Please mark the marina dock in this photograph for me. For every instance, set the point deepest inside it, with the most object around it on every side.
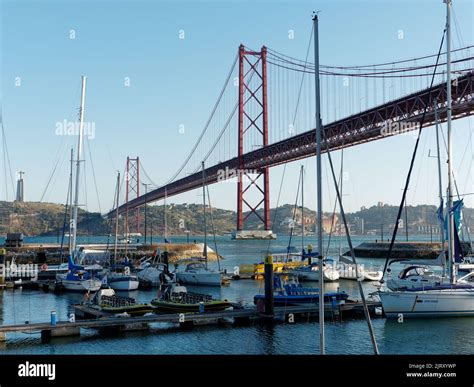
(93, 319)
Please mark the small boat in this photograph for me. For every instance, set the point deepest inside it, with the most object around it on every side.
(281, 262)
(176, 299)
(77, 279)
(311, 272)
(122, 281)
(197, 273)
(293, 293)
(154, 274)
(105, 300)
(119, 276)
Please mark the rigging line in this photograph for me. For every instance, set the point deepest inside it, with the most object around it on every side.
(284, 167)
(419, 171)
(294, 217)
(93, 172)
(458, 32)
(6, 156)
(66, 208)
(58, 161)
(407, 182)
(351, 247)
(372, 65)
(335, 203)
(207, 123)
(213, 228)
(455, 180)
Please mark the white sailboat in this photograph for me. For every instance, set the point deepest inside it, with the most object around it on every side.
(455, 298)
(197, 272)
(77, 278)
(119, 277)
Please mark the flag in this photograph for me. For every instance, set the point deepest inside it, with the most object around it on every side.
(440, 211)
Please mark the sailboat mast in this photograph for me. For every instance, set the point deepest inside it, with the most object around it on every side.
(450, 144)
(164, 216)
(322, 344)
(116, 215)
(204, 210)
(302, 208)
(440, 187)
(70, 202)
(78, 168)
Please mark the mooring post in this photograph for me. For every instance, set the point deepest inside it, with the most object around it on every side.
(310, 250)
(268, 270)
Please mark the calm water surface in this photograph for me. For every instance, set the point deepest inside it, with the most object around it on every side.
(428, 336)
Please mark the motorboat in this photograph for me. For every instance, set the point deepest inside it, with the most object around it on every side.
(291, 292)
(176, 299)
(106, 301)
(197, 273)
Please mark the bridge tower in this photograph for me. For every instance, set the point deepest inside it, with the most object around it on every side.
(132, 191)
(253, 119)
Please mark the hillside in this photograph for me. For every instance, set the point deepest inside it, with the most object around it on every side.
(33, 218)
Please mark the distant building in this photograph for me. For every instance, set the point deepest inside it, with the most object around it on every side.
(20, 188)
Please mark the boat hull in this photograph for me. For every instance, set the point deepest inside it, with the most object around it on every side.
(176, 307)
(204, 279)
(430, 303)
(329, 274)
(134, 310)
(284, 300)
(124, 285)
(151, 275)
(83, 286)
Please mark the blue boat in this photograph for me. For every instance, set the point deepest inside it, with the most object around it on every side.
(293, 293)
(78, 279)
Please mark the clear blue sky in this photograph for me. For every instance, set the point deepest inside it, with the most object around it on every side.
(175, 81)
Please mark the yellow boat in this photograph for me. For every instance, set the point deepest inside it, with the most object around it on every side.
(281, 263)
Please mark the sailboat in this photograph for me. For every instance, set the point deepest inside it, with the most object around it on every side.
(77, 278)
(454, 298)
(195, 272)
(119, 277)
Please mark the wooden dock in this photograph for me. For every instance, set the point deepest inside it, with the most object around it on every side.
(98, 320)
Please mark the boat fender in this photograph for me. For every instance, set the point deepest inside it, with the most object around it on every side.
(44, 267)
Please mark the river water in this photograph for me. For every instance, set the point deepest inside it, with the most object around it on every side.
(423, 336)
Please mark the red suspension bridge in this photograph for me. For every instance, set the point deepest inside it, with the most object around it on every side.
(264, 116)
